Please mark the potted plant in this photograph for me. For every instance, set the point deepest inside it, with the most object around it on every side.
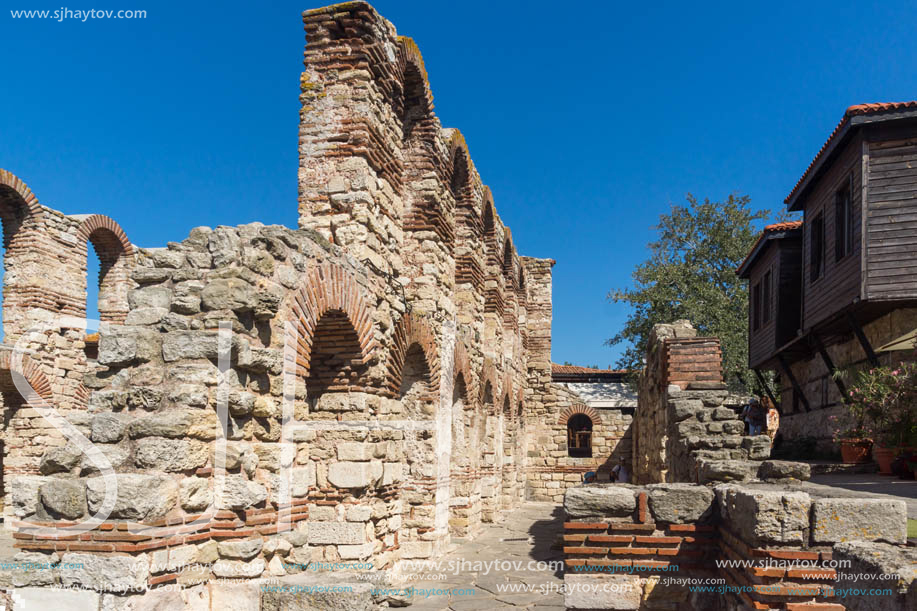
(883, 403)
(855, 445)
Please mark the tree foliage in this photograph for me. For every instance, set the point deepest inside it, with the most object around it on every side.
(691, 273)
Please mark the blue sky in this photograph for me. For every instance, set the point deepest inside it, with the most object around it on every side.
(587, 120)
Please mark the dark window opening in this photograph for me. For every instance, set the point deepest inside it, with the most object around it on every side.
(843, 221)
(817, 247)
(579, 436)
(766, 297)
(756, 307)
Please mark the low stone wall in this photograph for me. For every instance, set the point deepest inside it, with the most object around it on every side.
(632, 547)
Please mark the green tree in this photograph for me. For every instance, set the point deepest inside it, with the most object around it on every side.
(691, 273)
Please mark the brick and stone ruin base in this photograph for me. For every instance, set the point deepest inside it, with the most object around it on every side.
(710, 510)
(761, 545)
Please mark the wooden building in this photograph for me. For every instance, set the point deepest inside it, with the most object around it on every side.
(826, 292)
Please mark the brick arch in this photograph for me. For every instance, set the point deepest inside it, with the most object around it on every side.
(468, 223)
(10, 183)
(508, 259)
(507, 393)
(489, 374)
(114, 251)
(409, 331)
(579, 408)
(420, 147)
(106, 231)
(30, 370)
(461, 367)
(415, 82)
(328, 287)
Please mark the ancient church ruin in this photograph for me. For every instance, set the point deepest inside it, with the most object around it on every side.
(383, 367)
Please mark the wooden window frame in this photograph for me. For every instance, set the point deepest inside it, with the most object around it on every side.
(767, 297)
(843, 220)
(817, 247)
(756, 306)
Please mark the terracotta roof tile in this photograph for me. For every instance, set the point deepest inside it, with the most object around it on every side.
(575, 369)
(785, 226)
(852, 111)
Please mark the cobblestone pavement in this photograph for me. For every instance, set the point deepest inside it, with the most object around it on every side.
(528, 534)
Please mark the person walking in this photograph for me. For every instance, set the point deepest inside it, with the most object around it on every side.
(773, 418)
(757, 417)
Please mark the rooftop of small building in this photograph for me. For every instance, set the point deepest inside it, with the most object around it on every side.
(776, 231)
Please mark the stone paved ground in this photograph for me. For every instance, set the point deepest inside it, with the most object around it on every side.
(529, 533)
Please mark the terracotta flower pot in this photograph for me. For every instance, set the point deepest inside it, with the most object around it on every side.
(855, 450)
(884, 456)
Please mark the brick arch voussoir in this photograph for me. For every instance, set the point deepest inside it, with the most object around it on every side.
(411, 56)
(579, 408)
(92, 226)
(411, 330)
(461, 366)
(31, 371)
(489, 374)
(32, 207)
(330, 287)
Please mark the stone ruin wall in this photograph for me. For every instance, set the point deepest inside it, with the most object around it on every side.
(400, 298)
(549, 471)
(685, 429)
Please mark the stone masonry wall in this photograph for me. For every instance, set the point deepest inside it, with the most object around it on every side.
(381, 357)
(684, 429)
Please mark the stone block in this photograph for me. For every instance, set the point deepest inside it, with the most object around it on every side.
(336, 533)
(726, 471)
(24, 493)
(59, 459)
(64, 498)
(784, 469)
(195, 494)
(139, 496)
(592, 592)
(355, 552)
(239, 568)
(765, 516)
(107, 428)
(681, 503)
(104, 573)
(239, 493)
(352, 474)
(355, 451)
(885, 575)
(236, 596)
(116, 456)
(240, 549)
(120, 346)
(170, 455)
(599, 500)
(758, 447)
(844, 520)
(27, 599)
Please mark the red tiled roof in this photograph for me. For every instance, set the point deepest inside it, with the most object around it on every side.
(575, 369)
(785, 226)
(852, 111)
